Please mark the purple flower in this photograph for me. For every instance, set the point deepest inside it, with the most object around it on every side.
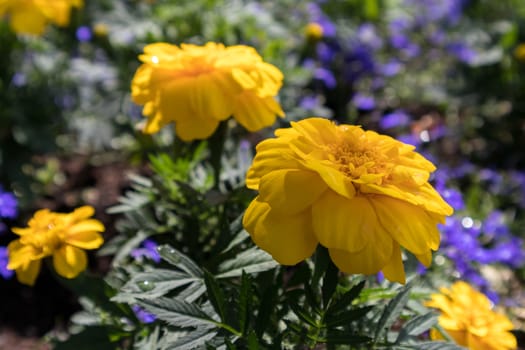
(326, 76)
(462, 52)
(391, 68)
(19, 79)
(84, 34)
(318, 16)
(309, 102)
(453, 197)
(143, 315)
(8, 205)
(394, 119)
(367, 35)
(363, 102)
(4, 259)
(148, 250)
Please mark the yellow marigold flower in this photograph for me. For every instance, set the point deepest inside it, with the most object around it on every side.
(32, 16)
(519, 52)
(360, 194)
(198, 86)
(313, 31)
(467, 317)
(63, 236)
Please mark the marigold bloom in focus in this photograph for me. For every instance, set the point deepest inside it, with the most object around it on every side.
(467, 317)
(62, 236)
(198, 86)
(360, 194)
(32, 16)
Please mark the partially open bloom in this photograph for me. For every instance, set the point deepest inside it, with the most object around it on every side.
(467, 317)
(360, 194)
(62, 236)
(32, 16)
(198, 86)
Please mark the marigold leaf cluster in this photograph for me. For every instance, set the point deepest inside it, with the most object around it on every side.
(64, 236)
(360, 194)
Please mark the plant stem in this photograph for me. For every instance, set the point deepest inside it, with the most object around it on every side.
(216, 147)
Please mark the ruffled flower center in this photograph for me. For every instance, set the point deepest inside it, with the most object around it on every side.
(356, 162)
(46, 238)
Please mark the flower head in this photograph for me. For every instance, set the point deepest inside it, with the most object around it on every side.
(62, 236)
(32, 16)
(467, 317)
(198, 86)
(360, 194)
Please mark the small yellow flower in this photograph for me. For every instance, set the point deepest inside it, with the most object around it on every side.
(32, 16)
(360, 194)
(467, 317)
(100, 29)
(313, 31)
(63, 236)
(519, 52)
(198, 86)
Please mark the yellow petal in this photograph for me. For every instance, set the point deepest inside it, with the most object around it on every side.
(28, 273)
(394, 270)
(254, 112)
(85, 240)
(334, 178)
(289, 238)
(69, 261)
(20, 254)
(86, 226)
(409, 225)
(196, 128)
(342, 223)
(28, 21)
(290, 191)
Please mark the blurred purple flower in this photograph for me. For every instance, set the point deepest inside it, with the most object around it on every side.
(391, 68)
(462, 52)
(148, 250)
(8, 205)
(399, 41)
(84, 34)
(4, 259)
(143, 315)
(453, 197)
(309, 102)
(318, 16)
(363, 102)
(368, 36)
(326, 76)
(19, 79)
(397, 118)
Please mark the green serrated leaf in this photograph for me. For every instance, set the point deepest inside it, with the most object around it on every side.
(344, 317)
(416, 326)
(253, 343)
(340, 337)
(330, 280)
(215, 295)
(346, 299)
(392, 311)
(177, 312)
(244, 304)
(126, 248)
(152, 284)
(193, 339)
(302, 313)
(438, 345)
(250, 261)
(180, 260)
(266, 308)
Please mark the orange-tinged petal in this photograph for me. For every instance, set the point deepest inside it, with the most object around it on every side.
(28, 273)
(289, 238)
(69, 261)
(290, 191)
(344, 224)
